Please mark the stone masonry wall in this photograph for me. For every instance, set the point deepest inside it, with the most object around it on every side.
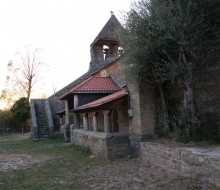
(107, 145)
(117, 71)
(143, 118)
(148, 111)
(55, 106)
(191, 162)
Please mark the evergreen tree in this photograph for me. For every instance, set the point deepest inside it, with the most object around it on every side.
(21, 111)
(172, 41)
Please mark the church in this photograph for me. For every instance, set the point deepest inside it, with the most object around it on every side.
(102, 109)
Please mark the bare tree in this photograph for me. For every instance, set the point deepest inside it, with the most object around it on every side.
(28, 72)
(54, 90)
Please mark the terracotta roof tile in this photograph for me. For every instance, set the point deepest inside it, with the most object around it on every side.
(103, 100)
(93, 85)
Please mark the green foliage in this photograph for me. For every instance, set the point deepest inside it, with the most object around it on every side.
(64, 165)
(5, 119)
(159, 132)
(171, 41)
(155, 35)
(183, 130)
(20, 110)
(71, 118)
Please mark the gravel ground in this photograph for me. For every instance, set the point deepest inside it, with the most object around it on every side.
(130, 174)
(119, 174)
(10, 162)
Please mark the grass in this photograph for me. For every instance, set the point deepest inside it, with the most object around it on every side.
(70, 167)
(60, 172)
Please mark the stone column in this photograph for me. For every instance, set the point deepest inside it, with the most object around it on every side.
(94, 120)
(85, 122)
(67, 122)
(106, 121)
(76, 115)
(61, 121)
(67, 114)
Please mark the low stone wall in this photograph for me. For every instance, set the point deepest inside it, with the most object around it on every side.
(191, 162)
(107, 145)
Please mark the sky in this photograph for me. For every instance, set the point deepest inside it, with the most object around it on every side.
(62, 29)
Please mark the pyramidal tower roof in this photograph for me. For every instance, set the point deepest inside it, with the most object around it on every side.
(110, 31)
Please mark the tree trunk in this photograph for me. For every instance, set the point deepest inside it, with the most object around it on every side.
(189, 101)
(22, 128)
(164, 118)
(29, 88)
(189, 92)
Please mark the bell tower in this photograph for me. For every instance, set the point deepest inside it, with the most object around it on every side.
(107, 42)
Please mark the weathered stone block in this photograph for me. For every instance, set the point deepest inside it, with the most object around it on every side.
(102, 144)
(189, 162)
(192, 159)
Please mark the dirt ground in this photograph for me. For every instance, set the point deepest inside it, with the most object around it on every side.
(130, 174)
(15, 137)
(120, 174)
(10, 162)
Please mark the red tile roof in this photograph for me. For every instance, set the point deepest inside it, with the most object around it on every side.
(104, 100)
(95, 84)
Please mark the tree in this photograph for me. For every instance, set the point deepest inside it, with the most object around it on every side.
(27, 74)
(172, 41)
(21, 111)
(23, 74)
(5, 120)
(10, 93)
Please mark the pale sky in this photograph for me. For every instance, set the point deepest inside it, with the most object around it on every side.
(63, 29)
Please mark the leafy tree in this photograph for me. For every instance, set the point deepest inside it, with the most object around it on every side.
(172, 41)
(21, 111)
(5, 119)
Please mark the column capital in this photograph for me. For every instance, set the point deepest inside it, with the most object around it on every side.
(94, 113)
(85, 114)
(106, 112)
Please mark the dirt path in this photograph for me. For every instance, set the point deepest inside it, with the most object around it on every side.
(120, 174)
(129, 174)
(10, 162)
(15, 137)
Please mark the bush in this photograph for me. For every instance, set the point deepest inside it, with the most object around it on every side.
(183, 130)
(5, 120)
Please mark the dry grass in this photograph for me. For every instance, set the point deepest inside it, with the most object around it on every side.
(72, 167)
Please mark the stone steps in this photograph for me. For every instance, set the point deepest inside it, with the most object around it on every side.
(42, 127)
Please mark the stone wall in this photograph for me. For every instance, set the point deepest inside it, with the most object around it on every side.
(191, 162)
(39, 106)
(148, 95)
(34, 127)
(56, 105)
(107, 145)
(142, 105)
(208, 100)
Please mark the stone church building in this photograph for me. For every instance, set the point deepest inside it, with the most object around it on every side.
(102, 109)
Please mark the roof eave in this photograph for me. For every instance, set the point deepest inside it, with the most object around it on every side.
(97, 106)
